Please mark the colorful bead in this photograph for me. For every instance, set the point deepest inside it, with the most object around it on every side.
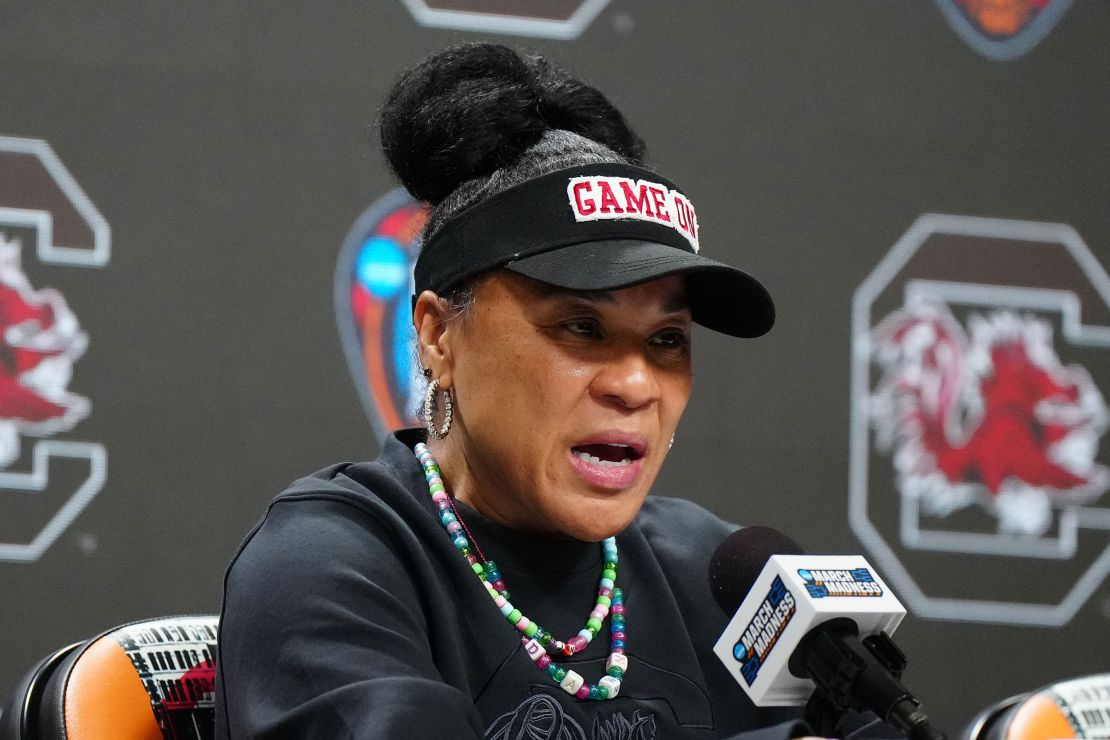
(543, 661)
(583, 692)
(514, 616)
(531, 629)
(523, 623)
(534, 650)
(571, 682)
(617, 661)
(611, 685)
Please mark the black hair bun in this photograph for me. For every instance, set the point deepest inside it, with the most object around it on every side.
(475, 108)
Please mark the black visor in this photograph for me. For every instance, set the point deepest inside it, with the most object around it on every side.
(595, 227)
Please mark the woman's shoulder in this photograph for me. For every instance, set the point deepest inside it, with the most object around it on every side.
(679, 528)
(346, 505)
(392, 482)
(680, 516)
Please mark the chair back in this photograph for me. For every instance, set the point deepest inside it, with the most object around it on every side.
(152, 679)
(1078, 708)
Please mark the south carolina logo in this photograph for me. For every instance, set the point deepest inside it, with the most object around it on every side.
(980, 346)
(46, 222)
(556, 19)
(373, 307)
(1003, 29)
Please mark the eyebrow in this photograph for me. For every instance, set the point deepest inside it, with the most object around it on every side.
(674, 303)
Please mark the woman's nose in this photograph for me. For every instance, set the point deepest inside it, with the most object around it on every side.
(627, 381)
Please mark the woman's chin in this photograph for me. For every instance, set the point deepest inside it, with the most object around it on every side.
(593, 523)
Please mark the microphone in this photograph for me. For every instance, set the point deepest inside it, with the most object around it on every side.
(797, 625)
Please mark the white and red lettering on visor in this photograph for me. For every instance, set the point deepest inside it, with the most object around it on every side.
(602, 198)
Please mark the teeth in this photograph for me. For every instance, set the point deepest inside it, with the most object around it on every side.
(587, 457)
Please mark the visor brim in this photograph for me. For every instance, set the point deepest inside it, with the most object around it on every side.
(722, 298)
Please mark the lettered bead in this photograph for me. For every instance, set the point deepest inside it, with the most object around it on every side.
(535, 650)
(610, 684)
(571, 682)
(617, 660)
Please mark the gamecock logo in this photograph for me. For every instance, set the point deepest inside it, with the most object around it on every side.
(1003, 29)
(991, 419)
(40, 340)
(980, 348)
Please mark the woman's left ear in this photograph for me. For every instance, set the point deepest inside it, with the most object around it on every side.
(433, 337)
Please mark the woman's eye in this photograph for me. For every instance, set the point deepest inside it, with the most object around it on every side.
(583, 328)
(673, 339)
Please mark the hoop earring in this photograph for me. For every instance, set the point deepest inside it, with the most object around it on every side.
(671, 443)
(430, 411)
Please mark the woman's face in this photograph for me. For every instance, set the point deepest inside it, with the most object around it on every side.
(564, 401)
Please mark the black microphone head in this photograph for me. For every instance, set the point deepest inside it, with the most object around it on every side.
(739, 559)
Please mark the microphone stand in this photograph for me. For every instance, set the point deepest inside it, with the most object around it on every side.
(854, 675)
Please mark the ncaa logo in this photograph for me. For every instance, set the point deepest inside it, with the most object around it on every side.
(1003, 30)
(46, 221)
(980, 360)
(373, 307)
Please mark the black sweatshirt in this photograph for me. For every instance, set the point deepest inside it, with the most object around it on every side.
(348, 612)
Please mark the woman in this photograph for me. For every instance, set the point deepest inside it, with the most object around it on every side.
(554, 299)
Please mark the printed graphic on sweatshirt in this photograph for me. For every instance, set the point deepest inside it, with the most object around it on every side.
(540, 717)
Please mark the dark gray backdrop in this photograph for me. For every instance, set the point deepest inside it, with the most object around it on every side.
(228, 149)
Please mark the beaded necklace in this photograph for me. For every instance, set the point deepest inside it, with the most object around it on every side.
(537, 641)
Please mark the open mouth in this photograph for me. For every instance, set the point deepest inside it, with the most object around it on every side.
(606, 455)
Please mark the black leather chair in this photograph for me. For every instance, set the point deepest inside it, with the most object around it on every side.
(152, 679)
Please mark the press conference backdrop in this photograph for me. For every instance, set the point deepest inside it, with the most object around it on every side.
(204, 264)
